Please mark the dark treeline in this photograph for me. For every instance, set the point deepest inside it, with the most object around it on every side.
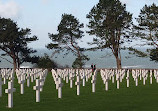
(109, 22)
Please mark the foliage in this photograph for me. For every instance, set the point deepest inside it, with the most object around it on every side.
(69, 31)
(46, 62)
(111, 24)
(137, 52)
(14, 42)
(147, 28)
(77, 63)
(148, 24)
(154, 54)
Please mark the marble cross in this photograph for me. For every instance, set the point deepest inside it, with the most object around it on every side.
(22, 81)
(5, 78)
(106, 81)
(10, 91)
(136, 77)
(1, 83)
(60, 85)
(28, 79)
(127, 78)
(93, 81)
(83, 78)
(117, 79)
(37, 88)
(78, 84)
(151, 76)
(71, 80)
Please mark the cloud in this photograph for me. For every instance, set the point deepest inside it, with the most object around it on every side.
(9, 9)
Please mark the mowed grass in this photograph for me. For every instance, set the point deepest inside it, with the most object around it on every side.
(140, 98)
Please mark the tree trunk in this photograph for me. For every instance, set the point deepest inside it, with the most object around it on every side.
(117, 57)
(118, 61)
(14, 64)
(18, 63)
(80, 62)
(78, 53)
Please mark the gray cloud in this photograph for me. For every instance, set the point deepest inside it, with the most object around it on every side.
(9, 9)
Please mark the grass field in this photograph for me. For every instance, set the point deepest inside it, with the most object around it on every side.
(140, 98)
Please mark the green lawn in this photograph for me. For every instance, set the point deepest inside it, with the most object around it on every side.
(140, 98)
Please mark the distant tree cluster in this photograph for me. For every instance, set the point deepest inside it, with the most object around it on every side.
(109, 22)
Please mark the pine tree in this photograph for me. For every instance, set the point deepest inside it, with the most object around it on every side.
(110, 23)
(69, 32)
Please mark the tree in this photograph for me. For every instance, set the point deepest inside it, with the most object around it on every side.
(111, 24)
(14, 42)
(78, 63)
(46, 62)
(69, 31)
(148, 24)
(147, 28)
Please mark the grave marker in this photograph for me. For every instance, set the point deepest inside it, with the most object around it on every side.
(37, 88)
(78, 84)
(1, 83)
(93, 81)
(60, 85)
(10, 91)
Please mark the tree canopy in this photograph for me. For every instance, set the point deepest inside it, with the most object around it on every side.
(46, 62)
(14, 42)
(66, 40)
(110, 22)
(147, 29)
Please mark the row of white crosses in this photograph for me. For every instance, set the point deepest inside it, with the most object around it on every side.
(120, 74)
(58, 82)
(21, 75)
(4, 74)
(69, 75)
(141, 74)
(35, 74)
(40, 84)
(108, 74)
(11, 88)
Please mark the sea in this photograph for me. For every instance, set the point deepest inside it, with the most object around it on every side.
(102, 59)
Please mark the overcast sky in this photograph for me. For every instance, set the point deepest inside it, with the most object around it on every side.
(43, 16)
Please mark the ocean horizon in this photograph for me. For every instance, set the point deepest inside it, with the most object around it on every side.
(102, 59)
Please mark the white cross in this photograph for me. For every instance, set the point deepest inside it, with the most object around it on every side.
(78, 85)
(22, 84)
(93, 81)
(117, 79)
(1, 83)
(83, 78)
(106, 82)
(151, 76)
(60, 85)
(4, 78)
(71, 80)
(10, 91)
(41, 82)
(136, 77)
(28, 79)
(127, 78)
(37, 88)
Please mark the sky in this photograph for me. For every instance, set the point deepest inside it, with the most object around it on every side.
(43, 16)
